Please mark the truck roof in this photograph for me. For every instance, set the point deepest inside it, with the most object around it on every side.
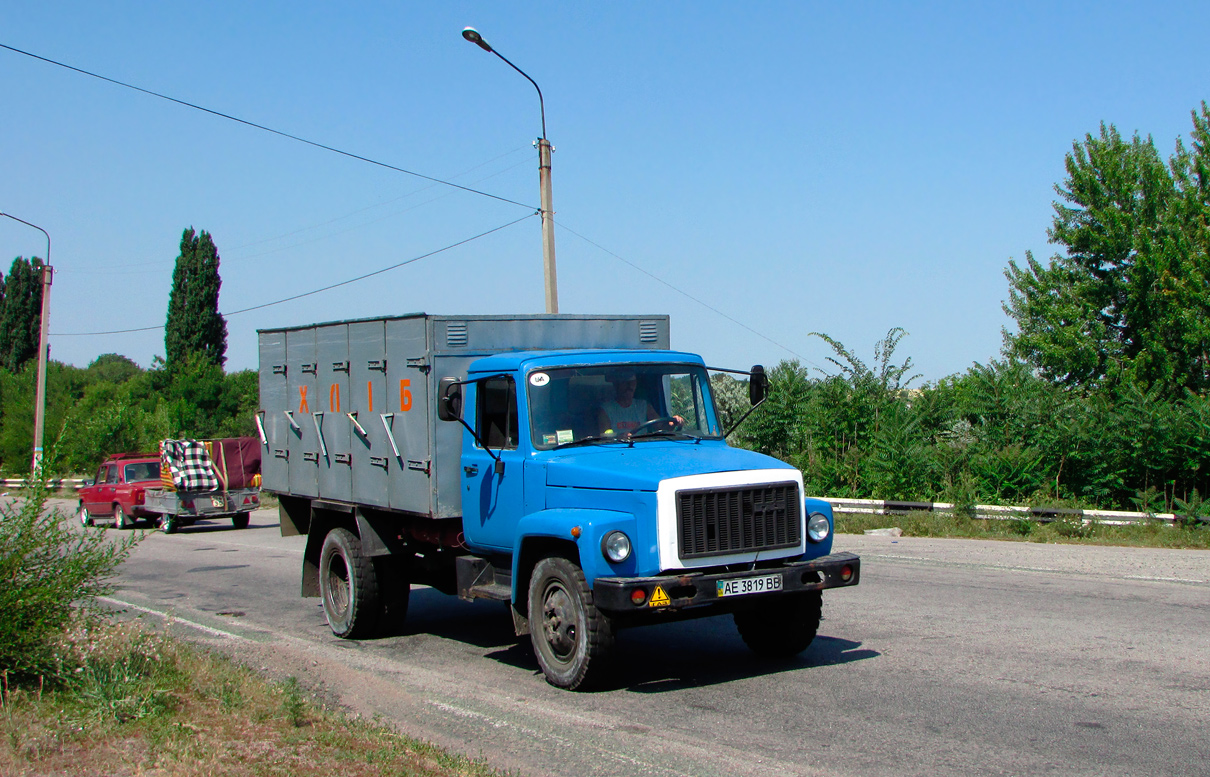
(514, 360)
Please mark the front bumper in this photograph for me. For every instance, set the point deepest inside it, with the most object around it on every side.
(696, 589)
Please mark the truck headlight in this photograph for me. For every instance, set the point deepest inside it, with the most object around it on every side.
(818, 527)
(616, 547)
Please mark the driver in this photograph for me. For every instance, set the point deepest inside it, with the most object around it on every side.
(625, 412)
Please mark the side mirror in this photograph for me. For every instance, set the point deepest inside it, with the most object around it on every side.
(758, 385)
(89, 482)
(449, 399)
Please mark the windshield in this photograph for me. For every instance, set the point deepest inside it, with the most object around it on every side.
(619, 401)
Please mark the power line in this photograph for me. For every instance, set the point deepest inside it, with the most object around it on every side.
(684, 293)
(314, 291)
(263, 127)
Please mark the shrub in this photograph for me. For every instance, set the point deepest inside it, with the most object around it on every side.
(47, 568)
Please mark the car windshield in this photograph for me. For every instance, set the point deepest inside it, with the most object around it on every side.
(142, 470)
(619, 401)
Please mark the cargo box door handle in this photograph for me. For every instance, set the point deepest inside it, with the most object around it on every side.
(387, 420)
(260, 427)
(353, 417)
(318, 418)
(293, 424)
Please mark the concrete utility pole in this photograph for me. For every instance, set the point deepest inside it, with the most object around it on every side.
(48, 274)
(548, 212)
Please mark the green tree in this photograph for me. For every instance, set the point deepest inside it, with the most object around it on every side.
(1128, 300)
(194, 325)
(21, 318)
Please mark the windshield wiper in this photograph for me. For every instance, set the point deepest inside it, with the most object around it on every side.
(659, 433)
(586, 441)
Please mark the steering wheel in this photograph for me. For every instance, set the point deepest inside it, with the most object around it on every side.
(656, 423)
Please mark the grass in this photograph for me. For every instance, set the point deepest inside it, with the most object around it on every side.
(139, 702)
(1153, 534)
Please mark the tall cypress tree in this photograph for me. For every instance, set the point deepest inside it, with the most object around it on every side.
(194, 326)
(21, 316)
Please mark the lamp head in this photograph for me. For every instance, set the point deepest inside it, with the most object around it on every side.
(471, 34)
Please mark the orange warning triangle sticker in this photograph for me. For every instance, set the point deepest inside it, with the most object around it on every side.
(658, 598)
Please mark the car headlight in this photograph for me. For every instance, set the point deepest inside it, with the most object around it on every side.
(616, 547)
(818, 527)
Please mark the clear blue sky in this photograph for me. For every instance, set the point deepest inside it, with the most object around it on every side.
(841, 168)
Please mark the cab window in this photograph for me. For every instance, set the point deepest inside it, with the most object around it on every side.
(143, 470)
(111, 474)
(497, 412)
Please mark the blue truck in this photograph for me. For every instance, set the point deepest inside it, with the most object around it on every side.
(572, 466)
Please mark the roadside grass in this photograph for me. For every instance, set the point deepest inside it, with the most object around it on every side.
(135, 701)
(1071, 530)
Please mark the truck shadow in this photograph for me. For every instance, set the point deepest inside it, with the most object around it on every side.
(648, 659)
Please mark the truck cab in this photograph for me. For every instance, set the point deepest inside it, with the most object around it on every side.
(615, 465)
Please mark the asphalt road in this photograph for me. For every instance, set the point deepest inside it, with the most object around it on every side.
(952, 657)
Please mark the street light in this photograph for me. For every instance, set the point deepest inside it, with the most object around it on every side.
(48, 275)
(548, 213)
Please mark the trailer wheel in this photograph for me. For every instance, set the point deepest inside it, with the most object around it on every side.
(84, 516)
(783, 627)
(120, 519)
(240, 520)
(571, 637)
(348, 586)
(169, 524)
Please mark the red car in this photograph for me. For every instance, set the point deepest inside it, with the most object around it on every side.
(117, 492)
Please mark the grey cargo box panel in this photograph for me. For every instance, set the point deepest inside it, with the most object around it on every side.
(347, 407)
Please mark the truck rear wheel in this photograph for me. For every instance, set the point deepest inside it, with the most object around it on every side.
(240, 520)
(782, 627)
(348, 586)
(571, 637)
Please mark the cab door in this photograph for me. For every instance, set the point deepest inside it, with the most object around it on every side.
(492, 500)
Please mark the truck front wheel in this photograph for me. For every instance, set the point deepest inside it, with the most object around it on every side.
(348, 586)
(782, 627)
(571, 637)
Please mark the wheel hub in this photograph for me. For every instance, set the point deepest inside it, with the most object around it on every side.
(559, 622)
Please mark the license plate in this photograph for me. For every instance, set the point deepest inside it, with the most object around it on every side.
(749, 585)
(218, 502)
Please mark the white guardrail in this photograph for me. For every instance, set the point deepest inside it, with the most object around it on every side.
(876, 507)
(1000, 512)
(74, 484)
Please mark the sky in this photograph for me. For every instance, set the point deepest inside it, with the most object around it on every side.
(757, 171)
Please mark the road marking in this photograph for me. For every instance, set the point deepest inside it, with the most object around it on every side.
(174, 619)
(1164, 579)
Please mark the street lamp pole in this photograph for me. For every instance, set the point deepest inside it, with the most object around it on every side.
(544, 149)
(48, 274)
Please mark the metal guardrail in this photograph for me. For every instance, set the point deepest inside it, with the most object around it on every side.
(54, 483)
(1000, 512)
(877, 507)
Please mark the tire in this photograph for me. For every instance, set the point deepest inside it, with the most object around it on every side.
(84, 516)
(120, 519)
(571, 637)
(240, 520)
(169, 524)
(348, 586)
(782, 628)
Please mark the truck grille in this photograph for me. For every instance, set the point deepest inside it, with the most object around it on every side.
(718, 521)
